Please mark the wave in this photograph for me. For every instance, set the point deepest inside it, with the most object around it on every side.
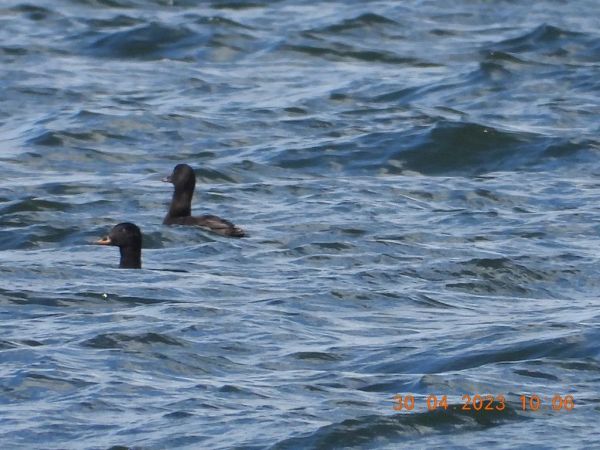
(369, 38)
(198, 37)
(35, 13)
(445, 148)
(149, 41)
(345, 52)
(371, 21)
(392, 430)
(132, 342)
(465, 148)
(547, 42)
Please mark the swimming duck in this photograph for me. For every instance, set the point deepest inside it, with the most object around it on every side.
(128, 237)
(180, 211)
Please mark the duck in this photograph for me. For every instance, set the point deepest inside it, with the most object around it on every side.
(128, 237)
(183, 179)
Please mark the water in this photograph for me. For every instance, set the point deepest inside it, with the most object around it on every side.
(420, 184)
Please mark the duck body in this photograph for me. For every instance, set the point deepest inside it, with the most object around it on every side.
(183, 179)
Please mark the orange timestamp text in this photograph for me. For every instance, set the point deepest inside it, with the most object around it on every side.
(486, 402)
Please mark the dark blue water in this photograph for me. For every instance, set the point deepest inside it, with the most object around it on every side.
(420, 182)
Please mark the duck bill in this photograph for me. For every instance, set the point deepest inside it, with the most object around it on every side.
(104, 241)
(167, 179)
